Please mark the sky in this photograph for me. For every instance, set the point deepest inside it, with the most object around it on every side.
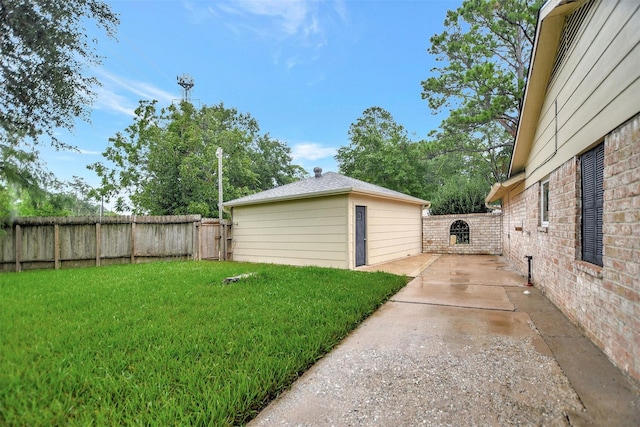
(304, 69)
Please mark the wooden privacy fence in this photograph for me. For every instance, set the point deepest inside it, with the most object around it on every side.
(215, 239)
(62, 242)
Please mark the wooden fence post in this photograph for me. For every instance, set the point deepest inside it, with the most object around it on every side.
(98, 233)
(56, 246)
(196, 241)
(71, 238)
(18, 237)
(133, 240)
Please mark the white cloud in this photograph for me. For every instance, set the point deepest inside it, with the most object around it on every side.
(142, 89)
(306, 25)
(70, 154)
(340, 8)
(312, 151)
(121, 95)
(290, 15)
(110, 101)
(89, 152)
(293, 61)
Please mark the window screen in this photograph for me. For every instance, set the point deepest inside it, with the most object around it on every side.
(544, 203)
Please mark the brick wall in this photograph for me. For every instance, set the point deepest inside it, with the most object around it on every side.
(484, 234)
(621, 238)
(603, 301)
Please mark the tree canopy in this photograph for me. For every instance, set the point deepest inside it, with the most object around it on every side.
(485, 51)
(483, 56)
(64, 199)
(382, 153)
(45, 55)
(165, 162)
(459, 195)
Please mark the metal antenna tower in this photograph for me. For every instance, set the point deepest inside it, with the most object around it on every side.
(186, 81)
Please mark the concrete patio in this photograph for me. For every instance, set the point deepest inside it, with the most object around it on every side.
(464, 343)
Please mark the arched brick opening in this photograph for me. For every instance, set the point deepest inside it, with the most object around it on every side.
(459, 233)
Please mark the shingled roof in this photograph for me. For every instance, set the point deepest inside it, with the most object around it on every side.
(322, 184)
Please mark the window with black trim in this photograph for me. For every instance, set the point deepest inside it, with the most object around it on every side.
(544, 203)
(592, 165)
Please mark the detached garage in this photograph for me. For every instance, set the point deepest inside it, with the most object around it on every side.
(329, 220)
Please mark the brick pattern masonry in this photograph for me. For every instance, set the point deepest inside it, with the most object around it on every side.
(603, 301)
(484, 234)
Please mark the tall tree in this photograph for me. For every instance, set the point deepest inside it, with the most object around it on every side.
(165, 163)
(380, 152)
(21, 171)
(63, 199)
(44, 55)
(481, 155)
(485, 51)
(45, 83)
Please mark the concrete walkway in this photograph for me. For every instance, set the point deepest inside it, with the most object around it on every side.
(464, 343)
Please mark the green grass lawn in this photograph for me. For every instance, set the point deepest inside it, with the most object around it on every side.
(168, 343)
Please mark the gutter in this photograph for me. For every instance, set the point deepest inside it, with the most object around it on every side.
(407, 198)
(292, 197)
(499, 189)
(346, 190)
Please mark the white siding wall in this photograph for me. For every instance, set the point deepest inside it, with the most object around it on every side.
(596, 89)
(394, 229)
(300, 232)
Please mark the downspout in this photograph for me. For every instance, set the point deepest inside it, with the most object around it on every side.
(529, 258)
(509, 222)
(426, 207)
(555, 138)
(555, 104)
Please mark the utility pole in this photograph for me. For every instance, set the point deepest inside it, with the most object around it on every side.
(222, 253)
(220, 204)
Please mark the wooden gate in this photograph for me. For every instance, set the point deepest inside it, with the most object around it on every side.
(215, 239)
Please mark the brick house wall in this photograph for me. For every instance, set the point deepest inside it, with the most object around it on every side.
(484, 234)
(603, 301)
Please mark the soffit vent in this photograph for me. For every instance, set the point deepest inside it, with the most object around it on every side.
(572, 26)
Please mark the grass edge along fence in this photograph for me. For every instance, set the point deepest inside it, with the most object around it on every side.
(63, 242)
(168, 343)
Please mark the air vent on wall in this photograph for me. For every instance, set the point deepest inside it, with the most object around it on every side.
(572, 24)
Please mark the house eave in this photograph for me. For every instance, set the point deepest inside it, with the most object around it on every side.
(499, 189)
(412, 200)
(550, 25)
(348, 190)
(289, 197)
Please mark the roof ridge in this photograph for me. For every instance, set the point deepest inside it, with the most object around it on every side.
(328, 183)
